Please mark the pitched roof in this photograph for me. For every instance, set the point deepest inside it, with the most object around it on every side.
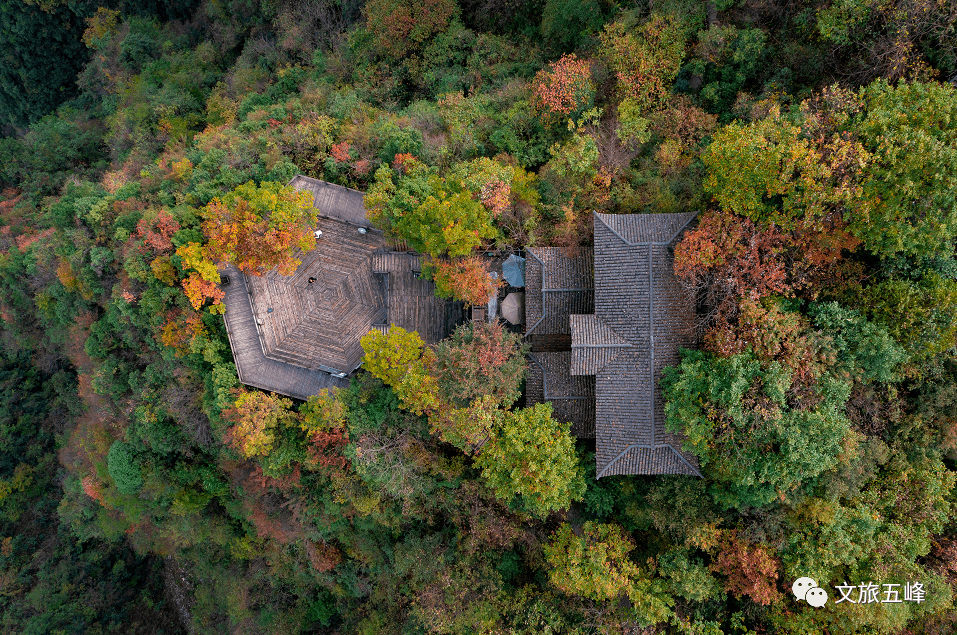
(572, 398)
(252, 366)
(287, 333)
(594, 344)
(638, 301)
(556, 286)
(333, 201)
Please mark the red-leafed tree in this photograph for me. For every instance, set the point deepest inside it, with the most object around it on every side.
(751, 569)
(565, 87)
(401, 27)
(157, 232)
(727, 257)
(324, 421)
(480, 360)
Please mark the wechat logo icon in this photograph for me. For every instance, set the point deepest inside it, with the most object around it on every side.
(807, 590)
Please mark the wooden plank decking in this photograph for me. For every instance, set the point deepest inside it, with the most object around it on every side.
(315, 317)
(412, 302)
(252, 365)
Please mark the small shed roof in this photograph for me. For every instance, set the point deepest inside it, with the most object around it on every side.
(556, 286)
(513, 269)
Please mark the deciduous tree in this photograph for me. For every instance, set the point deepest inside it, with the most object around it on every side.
(645, 60)
(401, 361)
(466, 279)
(401, 27)
(255, 418)
(747, 434)
(908, 201)
(258, 228)
(532, 456)
(434, 215)
(564, 88)
(480, 359)
(594, 563)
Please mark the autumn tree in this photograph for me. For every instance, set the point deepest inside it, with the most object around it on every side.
(480, 359)
(750, 569)
(324, 419)
(565, 88)
(259, 228)
(399, 358)
(256, 417)
(774, 171)
(890, 39)
(531, 457)
(434, 215)
(202, 279)
(400, 28)
(468, 427)
(466, 279)
(507, 191)
(908, 199)
(645, 60)
(594, 562)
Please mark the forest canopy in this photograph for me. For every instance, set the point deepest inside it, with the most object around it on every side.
(144, 146)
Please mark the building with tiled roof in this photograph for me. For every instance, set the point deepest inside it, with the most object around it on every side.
(641, 317)
(556, 287)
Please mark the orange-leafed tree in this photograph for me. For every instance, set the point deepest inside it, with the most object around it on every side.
(255, 418)
(463, 279)
(751, 569)
(202, 280)
(157, 232)
(480, 360)
(565, 87)
(728, 257)
(258, 228)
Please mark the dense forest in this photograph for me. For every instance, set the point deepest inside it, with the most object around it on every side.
(144, 490)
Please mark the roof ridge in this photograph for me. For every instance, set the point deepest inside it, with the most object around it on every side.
(603, 330)
(601, 217)
(658, 446)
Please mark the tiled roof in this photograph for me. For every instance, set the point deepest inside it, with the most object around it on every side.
(252, 365)
(638, 299)
(556, 286)
(572, 398)
(594, 344)
(661, 459)
(315, 317)
(645, 228)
